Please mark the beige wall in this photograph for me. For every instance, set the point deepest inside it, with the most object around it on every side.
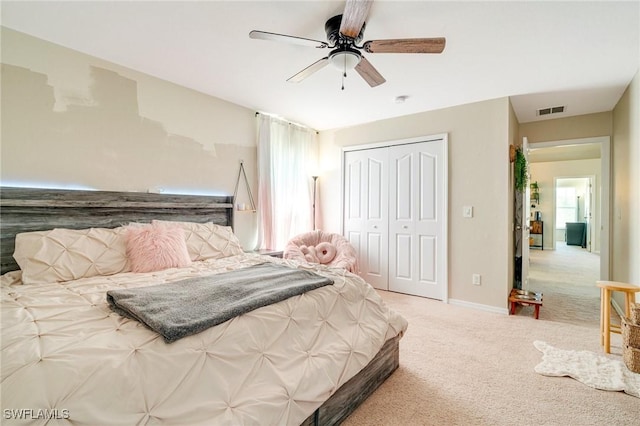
(478, 176)
(544, 174)
(69, 119)
(578, 127)
(622, 125)
(625, 247)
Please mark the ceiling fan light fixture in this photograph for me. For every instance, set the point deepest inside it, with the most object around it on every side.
(344, 32)
(345, 60)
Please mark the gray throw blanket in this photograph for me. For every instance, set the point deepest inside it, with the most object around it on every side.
(182, 308)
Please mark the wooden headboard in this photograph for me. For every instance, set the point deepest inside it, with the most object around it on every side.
(33, 209)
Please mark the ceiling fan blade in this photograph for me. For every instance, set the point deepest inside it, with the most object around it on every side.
(353, 17)
(369, 73)
(406, 45)
(309, 70)
(263, 35)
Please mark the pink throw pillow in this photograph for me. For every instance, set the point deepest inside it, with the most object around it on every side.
(156, 246)
(325, 252)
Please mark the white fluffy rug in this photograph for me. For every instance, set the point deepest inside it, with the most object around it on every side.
(589, 368)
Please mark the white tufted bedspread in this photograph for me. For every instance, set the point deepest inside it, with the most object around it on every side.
(65, 351)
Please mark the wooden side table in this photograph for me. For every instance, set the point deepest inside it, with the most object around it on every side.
(537, 228)
(525, 298)
(606, 328)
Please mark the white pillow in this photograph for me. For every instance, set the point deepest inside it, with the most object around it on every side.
(68, 254)
(208, 240)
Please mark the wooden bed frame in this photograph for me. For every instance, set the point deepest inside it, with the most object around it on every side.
(33, 209)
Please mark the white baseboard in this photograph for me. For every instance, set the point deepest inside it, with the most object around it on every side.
(487, 308)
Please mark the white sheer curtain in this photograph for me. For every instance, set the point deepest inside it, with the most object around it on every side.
(286, 161)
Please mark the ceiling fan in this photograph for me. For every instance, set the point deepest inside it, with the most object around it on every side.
(343, 33)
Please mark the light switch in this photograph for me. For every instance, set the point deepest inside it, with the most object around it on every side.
(467, 211)
(476, 279)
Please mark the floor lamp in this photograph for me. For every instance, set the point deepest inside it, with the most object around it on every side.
(315, 179)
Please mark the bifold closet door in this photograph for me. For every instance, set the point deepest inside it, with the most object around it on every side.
(366, 207)
(417, 257)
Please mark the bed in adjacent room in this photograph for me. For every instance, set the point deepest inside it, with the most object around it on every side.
(310, 358)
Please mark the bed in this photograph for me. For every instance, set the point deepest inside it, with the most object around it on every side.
(67, 356)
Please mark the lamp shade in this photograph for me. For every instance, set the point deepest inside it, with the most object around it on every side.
(344, 59)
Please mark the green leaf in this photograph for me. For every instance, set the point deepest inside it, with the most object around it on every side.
(520, 171)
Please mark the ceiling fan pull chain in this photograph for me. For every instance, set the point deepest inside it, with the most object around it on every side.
(344, 73)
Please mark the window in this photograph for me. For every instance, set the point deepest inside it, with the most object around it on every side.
(566, 206)
(286, 160)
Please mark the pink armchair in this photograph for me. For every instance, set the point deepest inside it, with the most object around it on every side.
(323, 247)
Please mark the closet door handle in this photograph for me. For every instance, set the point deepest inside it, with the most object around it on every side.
(375, 226)
(405, 227)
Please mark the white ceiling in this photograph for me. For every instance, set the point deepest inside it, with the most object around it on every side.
(541, 53)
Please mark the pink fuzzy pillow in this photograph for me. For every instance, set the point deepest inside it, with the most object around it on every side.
(325, 252)
(156, 246)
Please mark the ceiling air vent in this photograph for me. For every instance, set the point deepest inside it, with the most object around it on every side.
(550, 110)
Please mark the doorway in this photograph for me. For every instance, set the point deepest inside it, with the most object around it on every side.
(548, 154)
(574, 212)
(566, 272)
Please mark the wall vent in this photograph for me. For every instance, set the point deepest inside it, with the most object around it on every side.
(550, 110)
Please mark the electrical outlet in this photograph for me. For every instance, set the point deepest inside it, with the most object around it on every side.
(476, 279)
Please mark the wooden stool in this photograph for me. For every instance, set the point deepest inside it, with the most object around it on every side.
(606, 328)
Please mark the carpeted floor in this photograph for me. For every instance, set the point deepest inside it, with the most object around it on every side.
(567, 279)
(461, 366)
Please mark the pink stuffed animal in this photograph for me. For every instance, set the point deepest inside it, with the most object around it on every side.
(309, 253)
(322, 253)
(325, 252)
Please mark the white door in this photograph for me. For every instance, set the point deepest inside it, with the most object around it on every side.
(417, 222)
(525, 225)
(366, 180)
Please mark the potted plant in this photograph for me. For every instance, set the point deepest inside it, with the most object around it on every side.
(535, 192)
(520, 171)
